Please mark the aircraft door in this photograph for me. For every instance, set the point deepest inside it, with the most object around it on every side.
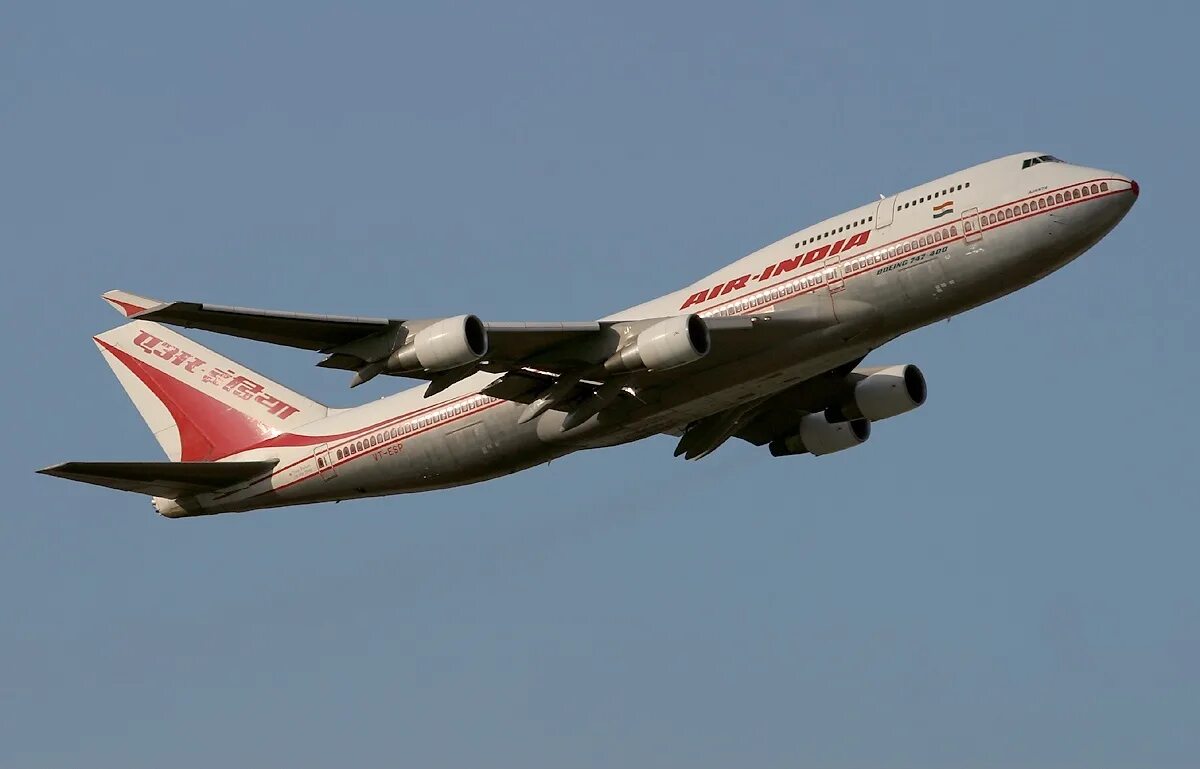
(833, 275)
(884, 212)
(324, 459)
(971, 225)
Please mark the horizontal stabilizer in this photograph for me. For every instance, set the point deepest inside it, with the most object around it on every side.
(162, 479)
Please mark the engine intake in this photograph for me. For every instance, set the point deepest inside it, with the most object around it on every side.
(881, 394)
(443, 345)
(667, 344)
(818, 436)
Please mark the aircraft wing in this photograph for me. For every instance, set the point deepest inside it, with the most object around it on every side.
(161, 479)
(351, 342)
(547, 365)
(326, 332)
(761, 421)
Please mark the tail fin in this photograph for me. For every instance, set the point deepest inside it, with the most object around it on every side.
(199, 405)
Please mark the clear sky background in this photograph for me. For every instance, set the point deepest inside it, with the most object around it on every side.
(1005, 578)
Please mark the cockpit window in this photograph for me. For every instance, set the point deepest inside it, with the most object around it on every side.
(1040, 159)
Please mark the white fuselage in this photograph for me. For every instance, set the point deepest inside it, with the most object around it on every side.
(911, 259)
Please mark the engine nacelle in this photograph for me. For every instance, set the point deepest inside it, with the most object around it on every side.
(669, 343)
(443, 345)
(882, 394)
(817, 435)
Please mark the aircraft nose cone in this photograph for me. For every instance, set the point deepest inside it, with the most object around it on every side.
(1134, 186)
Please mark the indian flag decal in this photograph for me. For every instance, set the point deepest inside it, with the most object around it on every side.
(941, 209)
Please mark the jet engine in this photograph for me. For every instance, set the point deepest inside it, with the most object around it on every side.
(817, 435)
(881, 394)
(666, 344)
(443, 345)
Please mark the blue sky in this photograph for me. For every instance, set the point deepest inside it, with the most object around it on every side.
(1005, 578)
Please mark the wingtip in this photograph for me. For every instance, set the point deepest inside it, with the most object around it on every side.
(128, 304)
(51, 469)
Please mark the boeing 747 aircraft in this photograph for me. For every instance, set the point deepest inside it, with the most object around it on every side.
(768, 349)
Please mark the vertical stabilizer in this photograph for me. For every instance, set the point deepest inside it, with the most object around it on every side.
(199, 405)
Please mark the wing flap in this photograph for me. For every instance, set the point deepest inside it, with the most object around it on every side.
(161, 479)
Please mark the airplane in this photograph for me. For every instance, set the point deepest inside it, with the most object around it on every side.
(768, 349)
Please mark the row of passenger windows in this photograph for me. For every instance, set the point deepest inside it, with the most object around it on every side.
(937, 194)
(843, 227)
(1046, 201)
(418, 423)
(890, 252)
(771, 295)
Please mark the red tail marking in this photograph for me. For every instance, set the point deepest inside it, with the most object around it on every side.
(208, 429)
(128, 309)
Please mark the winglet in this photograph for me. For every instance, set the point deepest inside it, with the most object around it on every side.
(128, 304)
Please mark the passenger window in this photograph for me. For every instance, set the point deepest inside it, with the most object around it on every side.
(992, 219)
(339, 453)
(937, 237)
(1095, 190)
(1075, 194)
(1058, 197)
(1085, 190)
(1041, 202)
(1024, 208)
(1104, 186)
(954, 231)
